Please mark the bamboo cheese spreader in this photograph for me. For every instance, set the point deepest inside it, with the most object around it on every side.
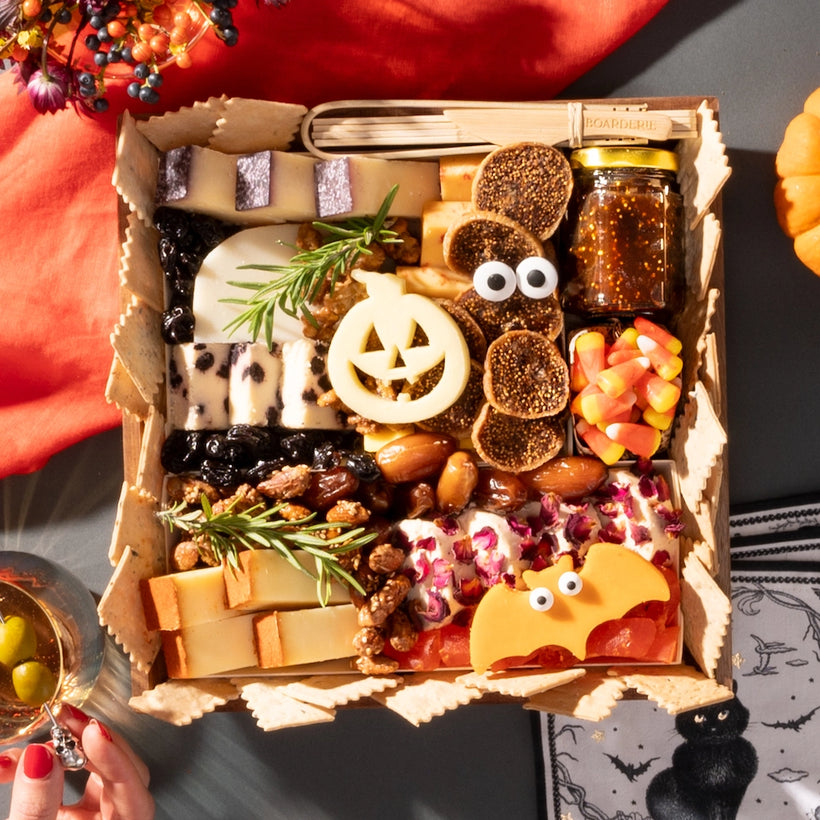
(417, 129)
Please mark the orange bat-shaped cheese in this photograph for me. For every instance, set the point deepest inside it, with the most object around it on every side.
(560, 606)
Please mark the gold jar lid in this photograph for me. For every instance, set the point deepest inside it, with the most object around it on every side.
(597, 156)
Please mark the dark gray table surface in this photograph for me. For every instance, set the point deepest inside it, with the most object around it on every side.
(760, 59)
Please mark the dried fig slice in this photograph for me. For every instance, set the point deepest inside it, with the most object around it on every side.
(487, 237)
(470, 329)
(458, 418)
(516, 445)
(517, 312)
(526, 376)
(529, 182)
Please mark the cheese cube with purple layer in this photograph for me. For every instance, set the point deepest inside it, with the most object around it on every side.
(275, 186)
(254, 383)
(198, 386)
(357, 186)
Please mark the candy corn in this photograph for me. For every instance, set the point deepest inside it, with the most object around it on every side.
(607, 450)
(616, 380)
(664, 338)
(588, 358)
(666, 364)
(657, 393)
(640, 439)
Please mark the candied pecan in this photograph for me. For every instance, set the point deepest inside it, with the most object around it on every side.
(243, 499)
(286, 483)
(384, 601)
(190, 490)
(401, 632)
(346, 511)
(377, 665)
(184, 556)
(368, 641)
(308, 237)
(372, 260)
(385, 558)
(293, 512)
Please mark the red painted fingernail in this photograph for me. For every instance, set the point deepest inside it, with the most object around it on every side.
(6, 762)
(37, 762)
(103, 731)
(75, 713)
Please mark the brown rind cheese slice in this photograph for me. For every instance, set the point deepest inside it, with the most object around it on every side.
(513, 444)
(529, 182)
(487, 237)
(525, 375)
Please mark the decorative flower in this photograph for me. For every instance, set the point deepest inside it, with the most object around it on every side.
(97, 40)
(49, 91)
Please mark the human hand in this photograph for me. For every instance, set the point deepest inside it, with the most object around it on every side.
(117, 786)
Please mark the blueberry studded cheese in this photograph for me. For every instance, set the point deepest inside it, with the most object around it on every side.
(254, 383)
(198, 386)
(304, 379)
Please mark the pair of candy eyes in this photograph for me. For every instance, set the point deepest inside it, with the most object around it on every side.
(542, 599)
(535, 277)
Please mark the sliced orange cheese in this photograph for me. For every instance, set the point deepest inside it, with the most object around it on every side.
(562, 606)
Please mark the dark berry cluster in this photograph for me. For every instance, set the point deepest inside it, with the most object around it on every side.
(222, 20)
(185, 240)
(245, 454)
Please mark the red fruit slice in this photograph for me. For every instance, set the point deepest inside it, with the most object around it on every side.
(455, 646)
(622, 638)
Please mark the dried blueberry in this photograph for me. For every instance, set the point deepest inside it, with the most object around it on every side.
(233, 451)
(298, 448)
(178, 325)
(325, 456)
(182, 451)
(362, 465)
(262, 469)
(221, 474)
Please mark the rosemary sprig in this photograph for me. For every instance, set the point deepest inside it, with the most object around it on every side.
(260, 528)
(297, 284)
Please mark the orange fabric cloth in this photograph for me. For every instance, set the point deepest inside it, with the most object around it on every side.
(58, 211)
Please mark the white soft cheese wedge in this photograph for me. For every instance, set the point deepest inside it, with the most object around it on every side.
(210, 648)
(275, 186)
(305, 635)
(197, 386)
(253, 385)
(198, 179)
(357, 186)
(265, 580)
(304, 379)
(182, 599)
(269, 245)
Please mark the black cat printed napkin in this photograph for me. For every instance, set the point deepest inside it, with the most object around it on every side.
(767, 759)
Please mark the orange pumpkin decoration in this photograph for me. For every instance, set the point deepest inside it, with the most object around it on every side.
(797, 193)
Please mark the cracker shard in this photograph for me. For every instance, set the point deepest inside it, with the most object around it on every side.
(591, 697)
(708, 614)
(182, 702)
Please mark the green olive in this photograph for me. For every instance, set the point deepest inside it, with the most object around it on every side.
(18, 640)
(34, 683)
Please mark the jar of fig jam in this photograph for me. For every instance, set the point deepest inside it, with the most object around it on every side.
(623, 240)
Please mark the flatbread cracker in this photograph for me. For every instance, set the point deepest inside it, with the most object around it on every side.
(697, 445)
(591, 697)
(135, 171)
(140, 270)
(704, 166)
(121, 391)
(708, 614)
(330, 691)
(521, 683)
(136, 523)
(120, 609)
(678, 690)
(150, 474)
(702, 245)
(425, 696)
(273, 709)
(246, 126)
(191, 125)
(180, 702)
(694, 324)
(137, 341)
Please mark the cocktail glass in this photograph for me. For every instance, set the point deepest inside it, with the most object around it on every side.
(69, 641)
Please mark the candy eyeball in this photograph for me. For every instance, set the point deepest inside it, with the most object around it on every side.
(541, 599)
(537, 277)
(570, 583)
(494, 281)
